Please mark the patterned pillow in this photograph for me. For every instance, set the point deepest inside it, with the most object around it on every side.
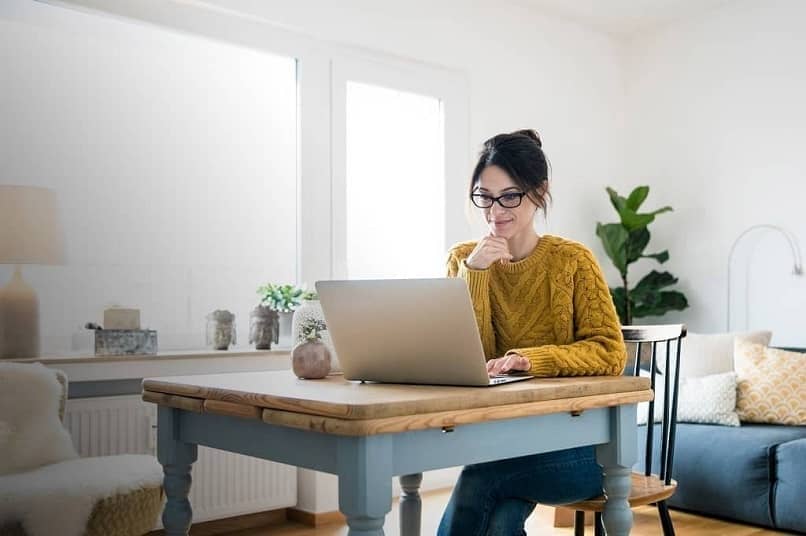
(707, 400)
(771, 384)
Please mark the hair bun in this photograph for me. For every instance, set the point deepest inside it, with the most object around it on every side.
(531, 134)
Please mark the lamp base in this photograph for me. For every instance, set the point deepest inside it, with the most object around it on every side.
(19, 319)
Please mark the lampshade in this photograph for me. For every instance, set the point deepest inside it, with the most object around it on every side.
(30, 226)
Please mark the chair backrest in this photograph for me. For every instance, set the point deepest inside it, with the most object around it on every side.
(671, 337)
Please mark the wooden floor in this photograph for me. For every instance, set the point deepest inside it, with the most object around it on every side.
(540, 523)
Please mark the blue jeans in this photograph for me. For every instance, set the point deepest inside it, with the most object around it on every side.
(495, 498)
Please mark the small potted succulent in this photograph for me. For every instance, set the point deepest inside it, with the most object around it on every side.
(310, 358)
(282, 298)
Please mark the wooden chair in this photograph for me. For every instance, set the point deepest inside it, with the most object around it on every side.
(648, 488)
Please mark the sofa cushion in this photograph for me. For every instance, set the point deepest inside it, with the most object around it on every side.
(790, 485)
(726, 471)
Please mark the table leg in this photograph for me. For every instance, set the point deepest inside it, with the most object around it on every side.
(365, 483)
(617, 458)
(410, 504)
(176, 458)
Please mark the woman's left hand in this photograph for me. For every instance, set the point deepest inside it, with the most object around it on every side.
(508, 363)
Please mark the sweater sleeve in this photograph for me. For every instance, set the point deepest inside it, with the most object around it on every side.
(598, 348)
(478, 282)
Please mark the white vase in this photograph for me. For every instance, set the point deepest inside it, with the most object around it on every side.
(285, 328)
(312, 310)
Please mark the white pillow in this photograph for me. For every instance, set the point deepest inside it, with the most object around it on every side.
(31, 434)
(703, 354)
(707, 400)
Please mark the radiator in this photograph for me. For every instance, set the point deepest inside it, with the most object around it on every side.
(224, 484)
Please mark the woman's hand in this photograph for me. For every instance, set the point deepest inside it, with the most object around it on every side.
(508, 363)
(489, 250)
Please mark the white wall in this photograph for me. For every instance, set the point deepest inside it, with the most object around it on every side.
(717, 126)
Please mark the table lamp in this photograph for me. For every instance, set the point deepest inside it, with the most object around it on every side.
(30, 233)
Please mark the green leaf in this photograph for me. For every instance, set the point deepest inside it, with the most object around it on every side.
(618, 202)
(633, 221)
(661, 211)
(666, 301)
(661, 257)
(652, 283)
(638, 240)
(637, 197)
(614, 239)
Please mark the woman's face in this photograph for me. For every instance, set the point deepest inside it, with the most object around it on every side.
(505, 222)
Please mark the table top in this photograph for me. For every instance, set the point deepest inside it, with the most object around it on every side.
(352, 408)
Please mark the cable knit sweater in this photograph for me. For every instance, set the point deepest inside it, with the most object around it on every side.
(552, 307)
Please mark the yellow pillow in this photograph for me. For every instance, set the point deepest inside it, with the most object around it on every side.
(771, 384)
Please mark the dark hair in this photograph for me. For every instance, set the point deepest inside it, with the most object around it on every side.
(520, 155)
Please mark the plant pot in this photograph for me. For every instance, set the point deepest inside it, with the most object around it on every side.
(312, 310)
(310, 360)
(285, 325)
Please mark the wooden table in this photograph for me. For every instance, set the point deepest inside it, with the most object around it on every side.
(369, 433)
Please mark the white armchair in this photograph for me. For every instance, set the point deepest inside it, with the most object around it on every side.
(45, 488)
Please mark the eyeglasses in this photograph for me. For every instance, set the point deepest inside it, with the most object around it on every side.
(507, 200)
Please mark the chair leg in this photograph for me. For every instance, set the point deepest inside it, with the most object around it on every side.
(665, 519)
(579, 523)
(598, 525)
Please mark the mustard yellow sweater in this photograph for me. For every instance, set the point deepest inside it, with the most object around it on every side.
(552, 307)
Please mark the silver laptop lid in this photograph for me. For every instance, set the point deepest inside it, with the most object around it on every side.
(404, 330)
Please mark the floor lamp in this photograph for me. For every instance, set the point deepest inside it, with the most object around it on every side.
(797, 266)
(30, 233)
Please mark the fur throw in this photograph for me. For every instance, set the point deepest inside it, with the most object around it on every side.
(31, 434)
(59, 498)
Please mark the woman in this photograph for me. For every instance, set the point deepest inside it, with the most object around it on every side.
(542, 306)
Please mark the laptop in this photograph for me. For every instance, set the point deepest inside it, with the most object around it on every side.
(418, 331)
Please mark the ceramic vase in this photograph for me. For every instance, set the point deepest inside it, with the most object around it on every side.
(310, 360)
(311, 310)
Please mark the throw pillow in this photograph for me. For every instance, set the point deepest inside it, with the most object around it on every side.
(703, 354)
(31, 434)
(707, 400)
(771, 384)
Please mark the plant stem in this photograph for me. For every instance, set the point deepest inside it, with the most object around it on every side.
(627, 308)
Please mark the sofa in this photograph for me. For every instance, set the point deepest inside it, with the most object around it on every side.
(755, 473)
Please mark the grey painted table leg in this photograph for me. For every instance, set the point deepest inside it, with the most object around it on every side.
(176, 458)
(365, 483)
(410, 504)
(617, 459)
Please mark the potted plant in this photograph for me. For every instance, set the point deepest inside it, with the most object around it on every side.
(625, 242)
(283, 298)
(311, 310)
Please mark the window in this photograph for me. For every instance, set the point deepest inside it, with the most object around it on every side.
(399, 167)
(174, 158)
(395, 183)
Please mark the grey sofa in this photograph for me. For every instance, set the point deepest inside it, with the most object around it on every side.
(755, 473)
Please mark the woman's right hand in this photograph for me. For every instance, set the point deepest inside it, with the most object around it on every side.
(488, 250)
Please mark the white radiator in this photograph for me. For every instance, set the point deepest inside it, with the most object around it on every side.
(224, 484)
